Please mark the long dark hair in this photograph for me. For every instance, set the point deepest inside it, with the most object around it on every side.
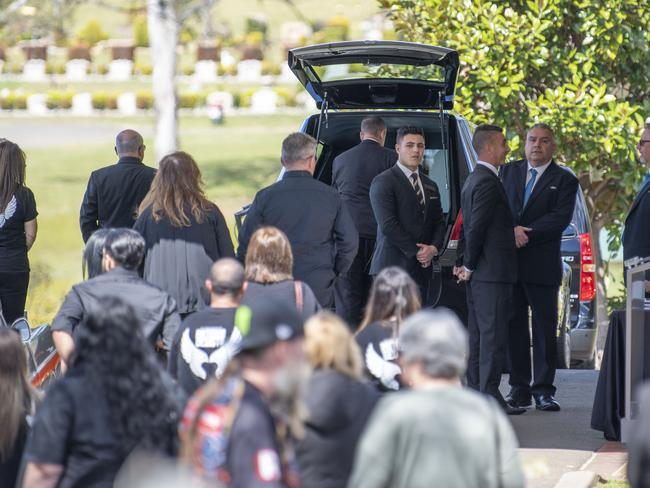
(394, 295)
(12, 171)
(15, 391)
(116, 356)
(93, 252)
(176, 188)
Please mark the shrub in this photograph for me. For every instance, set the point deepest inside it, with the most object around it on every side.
(54, 69)
(7, 102)
(20, 101)
(269, 68)
(91, 33)
(187, 100)
(101, 69)
(254, 38)
(227, 70)
(256, 24)
(57, 99)
(140, 31)
(143, 69)
(188, 70)
(245, 97)
(144, 100)
(287, 97)
(98, 100)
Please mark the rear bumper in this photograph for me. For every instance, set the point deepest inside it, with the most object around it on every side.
(583, 343)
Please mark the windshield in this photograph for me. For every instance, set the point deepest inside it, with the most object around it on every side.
(359, 71)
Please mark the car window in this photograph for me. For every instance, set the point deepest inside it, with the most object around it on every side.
(436, 168)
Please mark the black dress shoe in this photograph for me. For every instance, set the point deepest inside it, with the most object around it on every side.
(519, 402)
(510, 410)
(547, 403)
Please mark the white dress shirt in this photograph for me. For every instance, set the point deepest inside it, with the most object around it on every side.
(491, 167)
(408, 174)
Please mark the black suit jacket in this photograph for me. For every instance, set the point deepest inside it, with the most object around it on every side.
(352, 174)
(487, 243)
(114, 194)
(636, 237)
(321, 232)
(400, 222)
(548, 212)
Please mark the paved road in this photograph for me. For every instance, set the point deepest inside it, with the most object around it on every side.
(553, 443)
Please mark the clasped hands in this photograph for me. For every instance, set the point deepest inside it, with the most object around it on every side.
(521, 236)
(462, 273)
(425, 254)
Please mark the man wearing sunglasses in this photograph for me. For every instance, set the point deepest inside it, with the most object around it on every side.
(636, 236)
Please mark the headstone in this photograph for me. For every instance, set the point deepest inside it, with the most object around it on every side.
(304, 100)
(205, 71)
(34, 70)
(264, 101)
(249, 71)
(37, 104)
(286, 75)
(222, 99)
(295, 34)
(76, 69)
(120, 70)
(126, 103)
(82, 104)
(227, 58)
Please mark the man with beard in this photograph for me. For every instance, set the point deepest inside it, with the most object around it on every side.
(229, 432)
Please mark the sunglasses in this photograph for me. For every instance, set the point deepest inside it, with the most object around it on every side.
(643, 141)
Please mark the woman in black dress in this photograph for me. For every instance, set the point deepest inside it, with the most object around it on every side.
(185, 232)
(393, 297)
(17, 230)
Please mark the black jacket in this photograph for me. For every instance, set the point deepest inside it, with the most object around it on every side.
(155, 309)
(487, 243)
(636, 236)
(400, 223)
(321, 232)
(352, 173)
(338, 408)
(114, 194)
(548, 212)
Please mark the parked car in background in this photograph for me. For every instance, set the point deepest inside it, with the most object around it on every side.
(405, 84)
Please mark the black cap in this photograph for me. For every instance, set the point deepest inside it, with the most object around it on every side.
(266, 323)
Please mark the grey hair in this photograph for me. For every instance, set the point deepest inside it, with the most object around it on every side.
(542, 125)
(128, 142)
(297, 147)
(438, 340)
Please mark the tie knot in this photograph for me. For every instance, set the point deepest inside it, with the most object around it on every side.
(533, 172)
(414, 177)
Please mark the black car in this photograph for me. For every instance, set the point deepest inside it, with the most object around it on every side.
(405, 84)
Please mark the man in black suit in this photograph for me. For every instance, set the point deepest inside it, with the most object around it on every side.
(352, 173)
(487, 263)
(636, 237)
(410, 225)
(321, 232)
(542, 197)
(115, 192)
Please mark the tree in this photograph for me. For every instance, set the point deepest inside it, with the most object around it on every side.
(582, 66)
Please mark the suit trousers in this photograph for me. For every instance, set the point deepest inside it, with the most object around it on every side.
(352, 287)
(542, 301)
(489, 309)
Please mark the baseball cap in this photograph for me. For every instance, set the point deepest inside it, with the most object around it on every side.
(262, 325)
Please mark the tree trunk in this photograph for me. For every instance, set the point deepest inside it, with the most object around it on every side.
(601, 293)
(163, 39)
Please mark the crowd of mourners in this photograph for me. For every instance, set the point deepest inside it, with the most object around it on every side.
(185, 363)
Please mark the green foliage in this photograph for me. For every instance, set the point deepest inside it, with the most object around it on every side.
(54, 68)
(336, 29)
(581, 66)
(104, 101)
(140, 31)
(59, 100)
(270, 68)
(91, 33)
(144, 100)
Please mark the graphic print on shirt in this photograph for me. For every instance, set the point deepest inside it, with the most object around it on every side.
(267, 465)
(8, 211)
(380, 363)
(209, 337)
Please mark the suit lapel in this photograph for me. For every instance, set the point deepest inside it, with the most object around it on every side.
(520, 181)
(543, 182)
(638, 198)
(406, 184)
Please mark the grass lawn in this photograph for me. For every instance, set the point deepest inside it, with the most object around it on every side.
(236, 159)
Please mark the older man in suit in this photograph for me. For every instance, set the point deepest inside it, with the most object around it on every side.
(636, 237)
(352, 173)
(488, 263)
(410, 224)
(542, 197)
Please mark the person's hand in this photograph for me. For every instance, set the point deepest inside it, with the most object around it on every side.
(457, 270)
(425, 254)
(647, 286)
(521, 238)
(464, 274)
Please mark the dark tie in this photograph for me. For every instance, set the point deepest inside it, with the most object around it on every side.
(416, 187)
(529, 186)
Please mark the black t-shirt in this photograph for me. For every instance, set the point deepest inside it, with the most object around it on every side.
(203, 346)
(13, 244)
(380, 351)
(73, 428)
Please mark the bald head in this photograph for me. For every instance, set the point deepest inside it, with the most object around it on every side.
(129, 143)
(226, 277)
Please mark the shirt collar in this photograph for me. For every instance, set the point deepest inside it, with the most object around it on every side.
(406, 170)
(129, 160)
(491, 167)
(296, 174)
(539, 169)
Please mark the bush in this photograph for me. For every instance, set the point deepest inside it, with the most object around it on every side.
(140, 31)
(143, 69)
(187, 100)
(101, 69)
(227, 70)
(287, 98)
(269, 68)
(20, 102)
(56, 99)
(254, 38)
(104, 101)
(256, 24)
(91, 33)
(7, 102)
(54, 69)
(188, 70)
(144, 100)
(245, 97)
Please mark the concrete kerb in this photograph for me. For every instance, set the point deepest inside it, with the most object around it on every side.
(578, 479)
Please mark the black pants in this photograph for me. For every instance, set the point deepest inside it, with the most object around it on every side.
(542, 300)
(13, 295)
(489, 307)
(352, 287)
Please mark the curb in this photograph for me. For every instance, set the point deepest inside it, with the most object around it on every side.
(578, 479)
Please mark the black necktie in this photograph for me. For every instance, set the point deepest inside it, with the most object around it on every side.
(416, 187)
